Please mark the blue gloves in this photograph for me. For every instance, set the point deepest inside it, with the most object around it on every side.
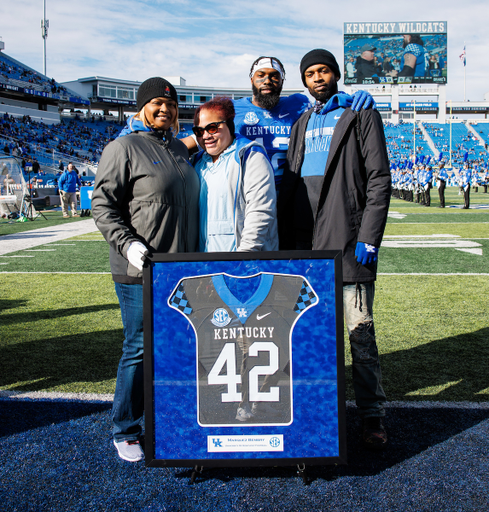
(362, 99)
(366, 254)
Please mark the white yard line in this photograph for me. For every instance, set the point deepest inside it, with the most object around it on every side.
(44, 395)
(43, 236)
(421, 274)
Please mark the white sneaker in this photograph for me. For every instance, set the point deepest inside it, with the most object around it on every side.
(129, 450)
(244, 413)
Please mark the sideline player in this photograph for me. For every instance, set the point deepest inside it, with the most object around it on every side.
(267, 117)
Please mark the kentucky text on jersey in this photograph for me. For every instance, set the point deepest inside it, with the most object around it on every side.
(234, 333)
(256, 131)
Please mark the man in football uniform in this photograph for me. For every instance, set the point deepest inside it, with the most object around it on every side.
(267, 117)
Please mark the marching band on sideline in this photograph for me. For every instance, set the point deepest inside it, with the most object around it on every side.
(413, 183)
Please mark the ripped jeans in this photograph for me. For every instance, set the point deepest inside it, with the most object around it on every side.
(358, 299)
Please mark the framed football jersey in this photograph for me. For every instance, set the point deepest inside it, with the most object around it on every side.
(244, 359)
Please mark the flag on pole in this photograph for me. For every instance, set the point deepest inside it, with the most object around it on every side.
(462, 57)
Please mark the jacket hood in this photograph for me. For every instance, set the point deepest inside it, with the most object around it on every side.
(136, 125)
(340, 99)
(133, 125)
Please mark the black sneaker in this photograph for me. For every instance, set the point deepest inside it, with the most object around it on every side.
(374, 435)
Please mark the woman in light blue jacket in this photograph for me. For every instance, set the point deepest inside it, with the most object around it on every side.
(237, 190)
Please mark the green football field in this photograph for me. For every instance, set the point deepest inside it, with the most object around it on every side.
(60, 327)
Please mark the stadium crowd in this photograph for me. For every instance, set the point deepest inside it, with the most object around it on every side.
(84, 140)
(11, 71)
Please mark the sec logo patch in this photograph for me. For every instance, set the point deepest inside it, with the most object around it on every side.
(251, 119)
(220, 318)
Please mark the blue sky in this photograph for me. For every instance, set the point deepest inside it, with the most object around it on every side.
(213, 43)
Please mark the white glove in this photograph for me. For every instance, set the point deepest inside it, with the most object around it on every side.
(136, 253)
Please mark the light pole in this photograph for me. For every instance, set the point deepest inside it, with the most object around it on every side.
(44, 33)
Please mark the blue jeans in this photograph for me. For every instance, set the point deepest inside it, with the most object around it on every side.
(358, 301)
(128, 407)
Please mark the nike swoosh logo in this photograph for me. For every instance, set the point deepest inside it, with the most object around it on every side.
(260, 317)
(282, 115)
(337, 117)
(158, 162)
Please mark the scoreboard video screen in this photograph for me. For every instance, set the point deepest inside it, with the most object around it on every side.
(395, 53)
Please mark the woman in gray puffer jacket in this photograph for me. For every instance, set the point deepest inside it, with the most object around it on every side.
(145, 200)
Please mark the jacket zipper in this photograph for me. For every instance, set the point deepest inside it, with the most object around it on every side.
(185, 190)
(301, 147)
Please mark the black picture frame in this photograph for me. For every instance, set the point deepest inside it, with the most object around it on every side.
(163, 272)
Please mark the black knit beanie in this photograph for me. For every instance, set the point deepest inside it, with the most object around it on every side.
(155, 87)
(318, 57)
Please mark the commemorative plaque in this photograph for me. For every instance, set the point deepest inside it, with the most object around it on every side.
(243, 357)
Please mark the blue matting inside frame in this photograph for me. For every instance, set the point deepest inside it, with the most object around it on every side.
(315, 429)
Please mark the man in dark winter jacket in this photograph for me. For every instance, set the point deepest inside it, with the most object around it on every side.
(335, 195)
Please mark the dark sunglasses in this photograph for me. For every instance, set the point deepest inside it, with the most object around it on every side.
(211, 129)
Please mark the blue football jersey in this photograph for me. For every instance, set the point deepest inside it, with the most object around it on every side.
(271, 127)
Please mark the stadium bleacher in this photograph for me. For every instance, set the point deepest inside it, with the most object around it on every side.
(463, 141)
(400, 142)
(14, 73)
(185, 129)
(483, 130)
(75, 140)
